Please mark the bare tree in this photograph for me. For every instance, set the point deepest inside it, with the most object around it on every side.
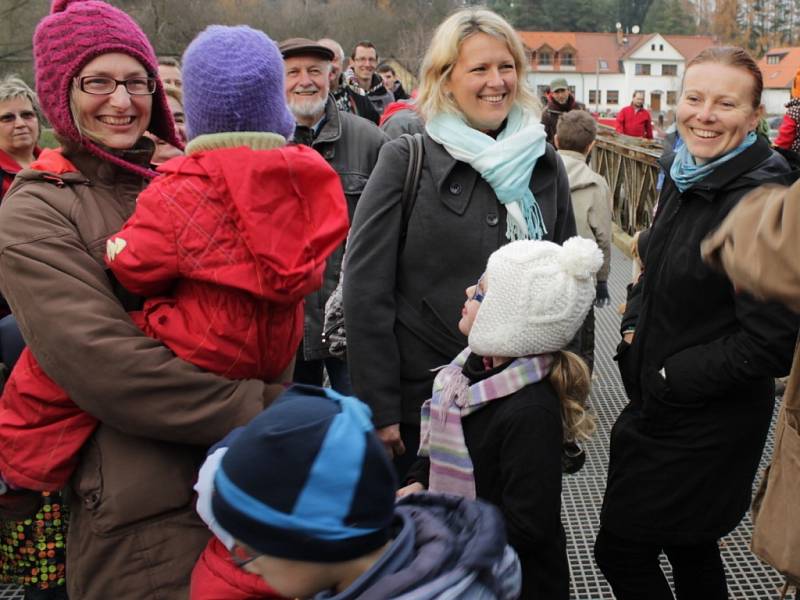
(400, 29)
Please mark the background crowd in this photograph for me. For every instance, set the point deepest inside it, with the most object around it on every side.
(168, 271)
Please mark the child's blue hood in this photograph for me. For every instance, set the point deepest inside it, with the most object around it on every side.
(443, 547)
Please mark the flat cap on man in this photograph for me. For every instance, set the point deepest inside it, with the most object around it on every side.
(304, 47)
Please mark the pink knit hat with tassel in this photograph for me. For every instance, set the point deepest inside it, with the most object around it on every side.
(74, 33)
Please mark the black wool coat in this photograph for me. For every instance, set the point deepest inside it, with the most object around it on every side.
(515, 447)
(685, 450)
(351, 146)
(402, 305)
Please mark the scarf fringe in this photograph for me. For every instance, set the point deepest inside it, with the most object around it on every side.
(534, 221)
(505, 163)
(441, 430)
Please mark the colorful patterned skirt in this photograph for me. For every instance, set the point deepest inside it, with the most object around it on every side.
(32, 552)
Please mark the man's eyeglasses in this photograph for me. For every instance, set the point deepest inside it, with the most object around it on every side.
(478, 294)
(241, 556)
(10, 117)
(103, 86)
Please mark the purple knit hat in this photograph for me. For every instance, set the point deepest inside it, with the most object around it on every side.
(74, 33)
(233, 81)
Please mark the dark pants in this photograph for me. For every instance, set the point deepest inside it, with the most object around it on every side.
(310, 372)
(410, 436)
(633, 570)
(11, 342)
(583, 342)
(586, 335)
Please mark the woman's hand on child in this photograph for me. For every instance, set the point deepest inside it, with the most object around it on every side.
(411, 488)
(390, 436)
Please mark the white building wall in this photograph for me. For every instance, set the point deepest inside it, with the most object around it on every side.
(583, 82)
(656, 52)
(774, 100)
(654, 83)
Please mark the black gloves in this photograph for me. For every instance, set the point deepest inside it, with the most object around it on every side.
(602, 298)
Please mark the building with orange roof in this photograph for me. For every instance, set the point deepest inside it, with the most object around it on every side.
(603, 70)
(778, 68)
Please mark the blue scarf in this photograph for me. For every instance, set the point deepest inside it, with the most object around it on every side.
(685, 172)
(506, 163)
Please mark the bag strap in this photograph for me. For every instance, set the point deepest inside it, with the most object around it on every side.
(416, 152)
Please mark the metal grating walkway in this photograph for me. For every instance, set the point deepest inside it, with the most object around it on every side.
(748, 578)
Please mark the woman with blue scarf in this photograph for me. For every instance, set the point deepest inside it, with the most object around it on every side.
(697, 358)
(488, 177)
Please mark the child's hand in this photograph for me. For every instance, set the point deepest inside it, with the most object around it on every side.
(412, 488)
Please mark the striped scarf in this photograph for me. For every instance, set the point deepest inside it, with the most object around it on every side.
(441, 432)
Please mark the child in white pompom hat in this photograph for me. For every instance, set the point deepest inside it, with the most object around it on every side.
(500, 411)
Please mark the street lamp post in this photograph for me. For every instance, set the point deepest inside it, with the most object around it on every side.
(597, 86)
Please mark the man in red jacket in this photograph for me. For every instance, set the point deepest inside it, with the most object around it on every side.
(634, 119)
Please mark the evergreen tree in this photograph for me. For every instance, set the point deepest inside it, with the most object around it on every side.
(632, 12)
(671, 17)
(550, 15)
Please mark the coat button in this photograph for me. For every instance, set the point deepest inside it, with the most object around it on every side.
(491, 219)
(455, 188)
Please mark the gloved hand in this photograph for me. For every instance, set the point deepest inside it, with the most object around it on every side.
(602, 298)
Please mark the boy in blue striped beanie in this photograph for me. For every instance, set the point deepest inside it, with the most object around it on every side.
(304, 498)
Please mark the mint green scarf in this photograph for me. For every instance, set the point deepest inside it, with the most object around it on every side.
(506, 163)
(685, 172)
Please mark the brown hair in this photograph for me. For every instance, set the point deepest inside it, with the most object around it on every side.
(735, 57)
(576, 130)
(364, 44)
(169, 61)
(572, 381)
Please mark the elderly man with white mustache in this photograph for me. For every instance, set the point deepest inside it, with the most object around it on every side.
(350, 144)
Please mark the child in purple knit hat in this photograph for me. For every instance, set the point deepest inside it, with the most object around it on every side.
(224, 246)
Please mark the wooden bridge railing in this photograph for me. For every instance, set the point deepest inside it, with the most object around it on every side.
(630, 168)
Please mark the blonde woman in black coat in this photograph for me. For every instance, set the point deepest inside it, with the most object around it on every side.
(404, 282)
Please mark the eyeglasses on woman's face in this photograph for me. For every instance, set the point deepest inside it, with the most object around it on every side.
(114, 119)
(10, 117)
(477, 293)
(104, 86)
(19, 126)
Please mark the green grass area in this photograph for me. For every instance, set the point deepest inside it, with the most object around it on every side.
(48, 139)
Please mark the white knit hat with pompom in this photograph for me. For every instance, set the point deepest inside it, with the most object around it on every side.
(537, 296)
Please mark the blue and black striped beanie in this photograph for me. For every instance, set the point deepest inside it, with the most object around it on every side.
(308, 479)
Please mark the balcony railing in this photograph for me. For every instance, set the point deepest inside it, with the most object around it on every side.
(630, 168)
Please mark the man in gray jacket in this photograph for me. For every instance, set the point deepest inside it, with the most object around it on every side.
(592, 203)
(351, 145)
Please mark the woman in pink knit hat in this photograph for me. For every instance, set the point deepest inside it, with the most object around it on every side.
(133, 530)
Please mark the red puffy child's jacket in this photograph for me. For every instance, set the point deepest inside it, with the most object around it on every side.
(225, 246)
(215, 576)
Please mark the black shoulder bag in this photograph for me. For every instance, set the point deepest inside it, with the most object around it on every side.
(334, 335)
